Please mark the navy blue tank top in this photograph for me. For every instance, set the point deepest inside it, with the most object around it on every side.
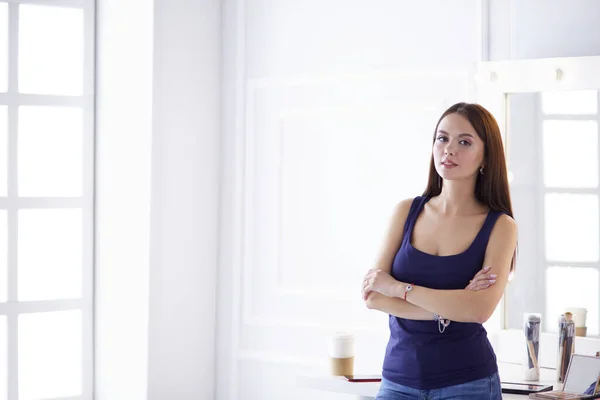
(417, 354)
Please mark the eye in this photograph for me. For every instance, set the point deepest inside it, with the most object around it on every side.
(465, 142)
(441, 138)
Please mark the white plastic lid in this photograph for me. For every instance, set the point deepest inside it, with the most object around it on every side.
(341, 345)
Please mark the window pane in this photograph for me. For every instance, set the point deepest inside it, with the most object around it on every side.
(571, 227)
(3, 48)
(50, 356)
(572, 287)
(50, 50)
(49, 254)
(3, 359)
(570, 154)
(3, 151)
(575, 102)
(3, 257)
(50, 151)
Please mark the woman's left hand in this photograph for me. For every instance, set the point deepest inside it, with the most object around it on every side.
(379, 281)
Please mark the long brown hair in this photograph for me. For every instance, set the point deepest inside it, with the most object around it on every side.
(492, 187)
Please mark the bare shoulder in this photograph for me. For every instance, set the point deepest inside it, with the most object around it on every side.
(398, 219)
(401, 211)
(505, 230)
(393, 237)
(403, 206)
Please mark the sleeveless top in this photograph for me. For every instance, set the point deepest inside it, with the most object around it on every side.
(417, 354)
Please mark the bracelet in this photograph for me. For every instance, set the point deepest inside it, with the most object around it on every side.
(407, 289)
(442, 322)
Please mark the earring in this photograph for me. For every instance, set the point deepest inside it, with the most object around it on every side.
(481, 170)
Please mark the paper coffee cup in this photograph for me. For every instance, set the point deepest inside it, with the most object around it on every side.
(579, 315)
(581, 331)
(341, 353)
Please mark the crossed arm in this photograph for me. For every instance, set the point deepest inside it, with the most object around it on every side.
(382, 292)
(403, 309)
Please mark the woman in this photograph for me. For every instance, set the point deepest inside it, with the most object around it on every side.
(436, 244)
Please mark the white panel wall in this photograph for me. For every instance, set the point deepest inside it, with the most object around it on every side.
(288, 38)
(543, 28)
(185, 192)
(329, 108)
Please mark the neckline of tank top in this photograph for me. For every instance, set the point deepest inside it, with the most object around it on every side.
(414, 221)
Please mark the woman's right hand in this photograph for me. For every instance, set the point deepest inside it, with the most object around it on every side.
(482, 280)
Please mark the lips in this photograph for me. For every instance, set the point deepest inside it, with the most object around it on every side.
(448, 163)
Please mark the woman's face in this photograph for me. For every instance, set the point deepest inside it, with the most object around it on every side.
(458, 151)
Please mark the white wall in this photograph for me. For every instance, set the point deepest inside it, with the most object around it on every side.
(286, 38)
(321, 98)
(266, 42)
(123, 162)
(543, 29)
(185, 191)
(280, 54)
(157, 198)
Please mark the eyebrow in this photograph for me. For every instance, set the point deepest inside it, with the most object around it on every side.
(461, 135)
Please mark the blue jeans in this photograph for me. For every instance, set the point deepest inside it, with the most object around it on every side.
(482, 389)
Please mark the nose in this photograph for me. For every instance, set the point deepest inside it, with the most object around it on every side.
(449, 149)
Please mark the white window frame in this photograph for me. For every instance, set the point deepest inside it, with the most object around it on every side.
(12, 203)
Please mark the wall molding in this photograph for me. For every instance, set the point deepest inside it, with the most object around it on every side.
(343, 81)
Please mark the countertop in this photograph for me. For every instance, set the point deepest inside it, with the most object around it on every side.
(368, 390)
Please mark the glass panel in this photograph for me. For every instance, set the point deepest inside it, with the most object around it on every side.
(3, 257)
(49, 254)
(3, 48)
(50, 50)
(572, 287)
(50, 151)
(3, 151)
(50, 355)
(571, 227)
(574, 102)
(570, 154)
(3, 359)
